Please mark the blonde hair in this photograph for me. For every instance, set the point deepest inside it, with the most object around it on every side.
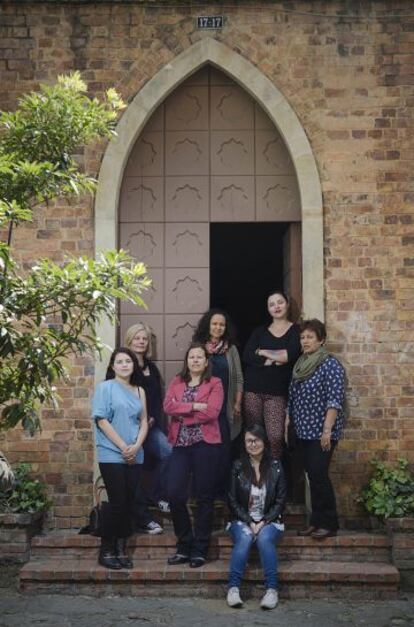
(136, 328)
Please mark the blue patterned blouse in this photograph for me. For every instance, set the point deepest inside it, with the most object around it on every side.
(310, 399)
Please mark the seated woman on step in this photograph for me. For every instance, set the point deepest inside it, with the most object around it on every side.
(193, 401)
(256, 501)
(316, 400)
(120, 416)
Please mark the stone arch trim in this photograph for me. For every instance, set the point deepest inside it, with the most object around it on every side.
(267, 95)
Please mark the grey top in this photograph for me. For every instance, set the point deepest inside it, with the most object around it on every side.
(235, 385)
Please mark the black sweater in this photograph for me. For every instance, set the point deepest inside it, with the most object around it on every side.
(270, 379)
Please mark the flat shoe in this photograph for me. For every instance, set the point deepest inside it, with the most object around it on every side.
(307, 532)
(196, 562)
(177, 558)
(321, 534)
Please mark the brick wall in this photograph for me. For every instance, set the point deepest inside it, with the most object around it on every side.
(350, 81)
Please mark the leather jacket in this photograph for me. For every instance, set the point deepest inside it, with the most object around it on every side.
(239, 494)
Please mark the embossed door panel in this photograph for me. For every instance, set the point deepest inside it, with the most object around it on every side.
(186, 153)
(186, 290)
(187, 109)
(277, 199)
(178, 330)
(231, 108)
(145, 241)
(232, 199)
(142, 199)
(187, 198)
(147, 156)
(232, 152)
(271, 154)
(209, 153)
(187, 244)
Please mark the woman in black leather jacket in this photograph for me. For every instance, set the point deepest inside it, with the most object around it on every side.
(257, 498)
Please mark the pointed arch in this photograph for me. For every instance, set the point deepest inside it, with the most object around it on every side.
(267, 95)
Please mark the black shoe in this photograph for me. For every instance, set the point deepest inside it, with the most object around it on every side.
(178, 558)
(121, 555)
(107, 557)
(196, 562)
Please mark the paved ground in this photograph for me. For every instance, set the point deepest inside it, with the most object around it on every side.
(80, 611)
(18, 610)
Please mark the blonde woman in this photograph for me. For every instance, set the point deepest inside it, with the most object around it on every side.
(140, 339)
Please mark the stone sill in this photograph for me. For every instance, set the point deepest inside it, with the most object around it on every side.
(10, 519)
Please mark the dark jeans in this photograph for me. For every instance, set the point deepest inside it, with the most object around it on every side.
(224, 461)
(158, 448)
(316, 463)
(121, 482)
(200, 461)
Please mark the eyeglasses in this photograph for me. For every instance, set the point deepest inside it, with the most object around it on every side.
(252, 442)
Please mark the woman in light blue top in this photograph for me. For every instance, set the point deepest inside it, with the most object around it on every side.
(120, 415)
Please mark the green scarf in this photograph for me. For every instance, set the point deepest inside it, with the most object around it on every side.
(307, 364)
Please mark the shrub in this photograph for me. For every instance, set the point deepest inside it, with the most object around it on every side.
(390, 492)
(27, 495)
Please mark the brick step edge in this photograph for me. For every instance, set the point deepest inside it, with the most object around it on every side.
(221, 538)
(153, 571)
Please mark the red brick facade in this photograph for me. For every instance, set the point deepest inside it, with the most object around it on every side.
(350, 81)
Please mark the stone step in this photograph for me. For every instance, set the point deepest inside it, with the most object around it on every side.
(294, 516)
(298, 579)
(345, 547)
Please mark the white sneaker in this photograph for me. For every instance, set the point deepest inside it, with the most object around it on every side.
(270, 599)
(153, 528)
(164, 507)
(233, 598)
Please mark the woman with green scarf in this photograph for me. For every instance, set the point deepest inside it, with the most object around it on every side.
(315, 406)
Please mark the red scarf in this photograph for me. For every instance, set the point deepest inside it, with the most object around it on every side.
(214, 347)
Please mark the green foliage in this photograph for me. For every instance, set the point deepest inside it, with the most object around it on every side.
(40, 140)
(390, 492)
(51, 311)
(27, 494)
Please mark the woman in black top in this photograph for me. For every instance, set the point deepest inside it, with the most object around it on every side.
(269, 356)
(139, 338)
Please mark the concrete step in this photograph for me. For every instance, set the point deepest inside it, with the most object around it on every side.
(345, 547)
(298, 579)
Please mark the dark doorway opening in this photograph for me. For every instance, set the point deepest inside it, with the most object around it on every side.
(246, 262)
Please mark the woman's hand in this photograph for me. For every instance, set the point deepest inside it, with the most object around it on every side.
(129, 453)
(237, 409)
(287, 423)
(199, 406)
(257, 527)
(326, 441)
(151, 422)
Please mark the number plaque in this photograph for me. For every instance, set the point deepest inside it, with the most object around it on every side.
(210, 21)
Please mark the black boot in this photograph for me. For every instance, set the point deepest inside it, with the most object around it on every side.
(107, 555)
(121, 554)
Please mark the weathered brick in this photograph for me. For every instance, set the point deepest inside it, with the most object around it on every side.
(356, 108)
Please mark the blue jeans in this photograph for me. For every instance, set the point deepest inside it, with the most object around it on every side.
(159, 448)
(266, 541)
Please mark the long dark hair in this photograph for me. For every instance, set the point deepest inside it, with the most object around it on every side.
(202, 332)
(136, 375)
(258, 432)
(185, 372)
